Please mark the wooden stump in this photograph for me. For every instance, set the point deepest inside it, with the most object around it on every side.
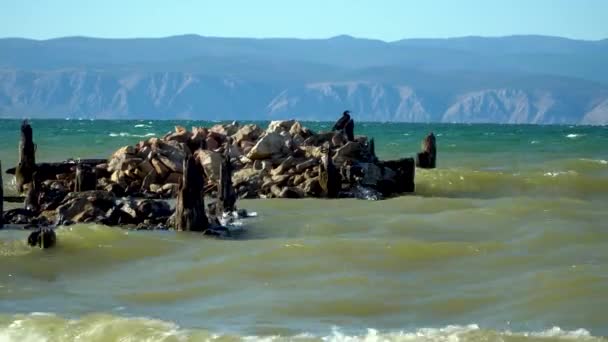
(190, 208)
(226, 196)
(27, 157)
(372, 151)
(1, 198)
(329, 177)
(42, 237)
(85, 179)
(428, 157)
(406, 172)
(32, 199)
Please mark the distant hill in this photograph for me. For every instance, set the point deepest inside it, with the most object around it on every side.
(519, 79)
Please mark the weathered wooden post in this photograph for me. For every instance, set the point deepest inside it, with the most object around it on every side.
(190, 208)
(42, 237)
(329, 177)
(226, 196)
(372, 150)
(27, 157)
(1, 198)
(32, 199)
(85, 179)
(428, 157)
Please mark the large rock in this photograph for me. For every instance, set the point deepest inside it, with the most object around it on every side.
(280, 126)
(285, 166)
(199, 136)
(352, 151)
(226, 129)
(312, 187)
(244, 175)
(180, 135)
(372, 174)
(88, 206)
(249, 132)
(211, 162)
(271, 145)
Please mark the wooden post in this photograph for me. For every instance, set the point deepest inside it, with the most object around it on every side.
(42, 237)
(32, 200)
(428, 157)
(226, 196)
(329, 177)
(372, 150)
(190, 208)
(1, 198)
(27, 157)
(85, 179)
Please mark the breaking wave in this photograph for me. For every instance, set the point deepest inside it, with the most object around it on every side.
(105, 327)
(125, 134)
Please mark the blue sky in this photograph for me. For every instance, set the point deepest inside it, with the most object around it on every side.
(381, 19)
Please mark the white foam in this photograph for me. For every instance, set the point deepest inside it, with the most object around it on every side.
(125, 134)
(559, 173)
(574, 136)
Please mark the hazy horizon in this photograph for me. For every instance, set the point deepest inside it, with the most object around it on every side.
(389, 20)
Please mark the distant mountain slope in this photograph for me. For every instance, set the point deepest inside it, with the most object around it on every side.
(161, 95)
(518, 79)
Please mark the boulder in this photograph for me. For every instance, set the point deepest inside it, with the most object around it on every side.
(271, 145)
(88, 206)
(199, 137)
(349, 152)
(161, 169)
(319, 139)
(172, 161)
(298, 130)
(285, 166)
(210, 161)
(372, 174)
(249, 132)
(244, 175)
(211, 144)
(306, 164)
(280, 126)
(291, 192)
(225, 129)
(312, 187)
(180, 135)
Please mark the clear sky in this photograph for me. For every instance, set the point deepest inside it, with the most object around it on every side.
(381, 19)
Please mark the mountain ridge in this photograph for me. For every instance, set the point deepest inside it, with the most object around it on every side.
(513, 79)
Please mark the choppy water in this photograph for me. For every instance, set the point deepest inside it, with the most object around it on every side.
(506, 241)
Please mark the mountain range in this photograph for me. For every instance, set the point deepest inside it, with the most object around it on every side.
(516, 79)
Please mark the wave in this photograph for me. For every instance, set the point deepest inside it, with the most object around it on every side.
(578, 179)
(125, 134)
(574, 136)
(106, 327)
(142, 126)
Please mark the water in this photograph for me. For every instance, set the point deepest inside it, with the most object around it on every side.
(505, 241)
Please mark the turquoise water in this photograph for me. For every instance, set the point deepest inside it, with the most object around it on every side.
(506, 240)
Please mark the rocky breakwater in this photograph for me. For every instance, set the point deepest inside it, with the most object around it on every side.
(286, 160)
(131, 188)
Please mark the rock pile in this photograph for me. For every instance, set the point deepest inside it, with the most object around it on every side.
(283, 161)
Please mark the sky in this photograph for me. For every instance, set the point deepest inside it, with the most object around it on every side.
(387, 20)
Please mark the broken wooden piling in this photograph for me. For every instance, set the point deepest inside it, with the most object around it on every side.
(226, 196)
(1, 198)
(85, 179)
(27, 157)
(190, 208)
(427, 158)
